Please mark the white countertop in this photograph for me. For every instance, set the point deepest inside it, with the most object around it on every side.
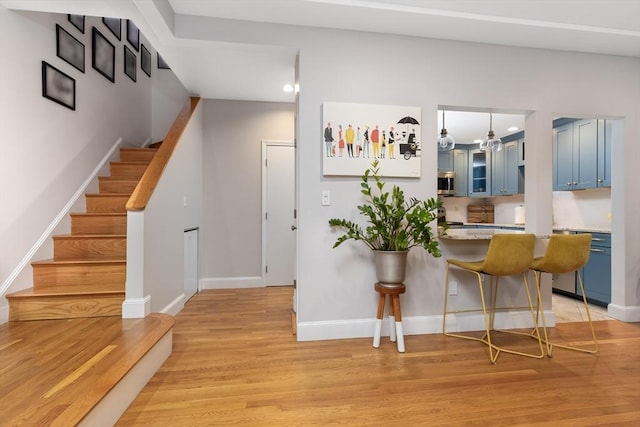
(486, 231)
(555, 228)
(479, 233)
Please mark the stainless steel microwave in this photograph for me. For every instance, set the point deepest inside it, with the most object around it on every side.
(446, 183)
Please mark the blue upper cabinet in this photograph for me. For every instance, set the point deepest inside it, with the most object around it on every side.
(461, 168)
(585, 154)
(504, 170)
(445, 161)
(521, 152)
(604, 154)
(479, 173)
(576, 154)
(563, 157)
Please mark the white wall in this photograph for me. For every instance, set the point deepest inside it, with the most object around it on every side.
(167, 98)
(166, 217)
(540, 84)
(335, 285)
(232, 235)
(46, 150)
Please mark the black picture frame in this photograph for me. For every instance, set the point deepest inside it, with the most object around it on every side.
(133, 35)
(58, 86)
(145, 60)
(104, 55)
(162, 65)
(69, 48)
(77, 21)
(130, 63)
(114, 25)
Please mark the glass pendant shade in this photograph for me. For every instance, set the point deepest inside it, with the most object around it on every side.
(491, 142)
(445, 142)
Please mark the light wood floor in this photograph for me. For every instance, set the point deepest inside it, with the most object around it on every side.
(235, 362)
(569, 309)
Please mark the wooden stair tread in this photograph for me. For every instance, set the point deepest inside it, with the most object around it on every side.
(65, 291)
(110, 214)
(137, 149)
(79, 262)
(130, 162)
(89, 236)
(105, 195)
(90, 356)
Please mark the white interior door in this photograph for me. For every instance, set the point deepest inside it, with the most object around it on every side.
(190, 263)
(279, 240)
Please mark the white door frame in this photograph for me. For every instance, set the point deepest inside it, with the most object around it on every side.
(265, 144)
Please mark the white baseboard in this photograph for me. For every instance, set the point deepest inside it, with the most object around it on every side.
(112, 406)
(231, 282)
(415, 325)
(626, 314)
(136, 308)
(175, 306)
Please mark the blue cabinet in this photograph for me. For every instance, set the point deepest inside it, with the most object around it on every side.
(479, 173)
(604, 154)
(521, 152)
(461, 168)
(596, 275)
(580, 149)
(456, 161)
(504, 170)
(445, 161)
(563, 157)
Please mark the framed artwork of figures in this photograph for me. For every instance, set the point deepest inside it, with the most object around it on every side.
(354, 135)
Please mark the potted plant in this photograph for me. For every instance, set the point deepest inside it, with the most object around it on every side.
(394, 225)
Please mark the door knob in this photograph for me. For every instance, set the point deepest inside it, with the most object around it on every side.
(294, 228)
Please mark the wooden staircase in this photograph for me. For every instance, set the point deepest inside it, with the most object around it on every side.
(86, 277)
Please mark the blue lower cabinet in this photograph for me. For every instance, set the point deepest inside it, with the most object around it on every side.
(596, 275)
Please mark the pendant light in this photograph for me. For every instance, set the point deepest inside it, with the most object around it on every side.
(491, 142)
(445, 142)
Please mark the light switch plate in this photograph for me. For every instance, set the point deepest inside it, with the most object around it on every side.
(326, 198)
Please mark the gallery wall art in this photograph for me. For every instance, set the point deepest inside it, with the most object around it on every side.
(58, 86)
(77, 21)
(104, 55)
(114, 25)
(354, 135)
(130, 63)
(69, 48)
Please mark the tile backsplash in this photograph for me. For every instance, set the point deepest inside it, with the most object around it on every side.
(571, 209)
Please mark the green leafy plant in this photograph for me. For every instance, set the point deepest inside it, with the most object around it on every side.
(393, 223)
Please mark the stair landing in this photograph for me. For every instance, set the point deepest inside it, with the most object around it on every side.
(78, 371)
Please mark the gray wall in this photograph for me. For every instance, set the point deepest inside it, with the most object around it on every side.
(335, 285)
(232, 231)
(176, 205)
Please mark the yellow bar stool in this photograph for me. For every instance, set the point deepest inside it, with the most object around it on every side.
(565, 253)
(507, 255)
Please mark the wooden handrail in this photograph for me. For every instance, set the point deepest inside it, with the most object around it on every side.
(143, 191)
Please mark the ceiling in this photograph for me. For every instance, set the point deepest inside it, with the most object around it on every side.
(606, 27)
(466, 126)
(596, 26)
(223, 70)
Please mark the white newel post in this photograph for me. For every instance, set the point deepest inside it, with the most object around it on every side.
(136, 304)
